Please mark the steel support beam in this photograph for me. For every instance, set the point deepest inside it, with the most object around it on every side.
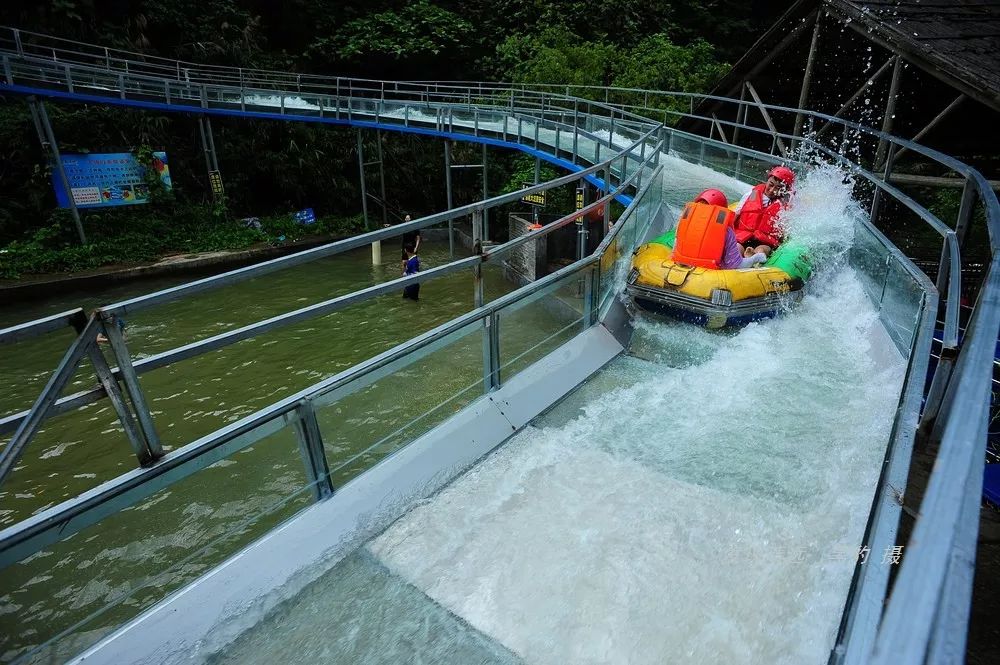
(64, 372)
(741, 115)
(807, 76)
(131, 380)
(778, 49)
(204, 145)
(857, 95)
(53, 146)
(211, 143)
(447, 183)
(890, 109)
(110, 385)
(486, 195)
(381, 178)
(361, 173)
(934, 122)
(313, 453)
(767, 119)
(718, 126)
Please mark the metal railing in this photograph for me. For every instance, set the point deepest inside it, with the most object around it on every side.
(64, 519)
(935, 576)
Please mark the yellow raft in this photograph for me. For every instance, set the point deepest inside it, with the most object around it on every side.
(715, 298)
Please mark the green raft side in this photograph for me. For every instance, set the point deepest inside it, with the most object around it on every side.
(791, 257)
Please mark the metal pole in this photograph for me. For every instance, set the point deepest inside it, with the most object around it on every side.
(933, 123)
(890, 108)
(381, 178)
(741, 114)
(576, 130)
(877, 196)
(486, 195)
(43, 116)
(204, 145)
(447, 181)
(478, 299)
(361, 172)
(607, 206)
(807, 77)
(132, 387)
(853, 98)
(38, 126)
(311, 448)
(963, 223)
(581, 231)
(211, 142)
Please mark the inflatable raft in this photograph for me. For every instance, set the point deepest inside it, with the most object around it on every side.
(715, 298)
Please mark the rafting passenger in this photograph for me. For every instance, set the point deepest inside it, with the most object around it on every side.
(757, 212)
(706, 238)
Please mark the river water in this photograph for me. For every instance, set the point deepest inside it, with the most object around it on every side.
(132, 559)
(696, 500)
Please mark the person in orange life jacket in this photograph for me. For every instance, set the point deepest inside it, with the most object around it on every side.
(701, 242)
(757, 212)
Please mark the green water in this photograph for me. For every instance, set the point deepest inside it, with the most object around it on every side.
(130, 560)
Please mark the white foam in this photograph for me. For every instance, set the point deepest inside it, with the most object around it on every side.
(699, 506)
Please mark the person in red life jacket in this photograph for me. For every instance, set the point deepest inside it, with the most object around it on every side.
(705, 236)
(757, 212)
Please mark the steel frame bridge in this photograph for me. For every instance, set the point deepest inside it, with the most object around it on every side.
(616, 144)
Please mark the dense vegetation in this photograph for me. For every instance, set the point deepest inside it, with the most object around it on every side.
(272, 168)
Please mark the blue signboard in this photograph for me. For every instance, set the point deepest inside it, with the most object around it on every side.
(306, 216)
(108, 179)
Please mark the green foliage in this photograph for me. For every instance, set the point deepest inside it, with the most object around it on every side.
(555, 56)
(145, 234)
(269, 167)
(658, 64)
(559, 200)
(418, 31)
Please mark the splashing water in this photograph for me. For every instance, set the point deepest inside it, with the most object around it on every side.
(700, 500)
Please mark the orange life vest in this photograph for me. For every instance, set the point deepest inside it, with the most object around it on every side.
(757, 221)
(701, 235)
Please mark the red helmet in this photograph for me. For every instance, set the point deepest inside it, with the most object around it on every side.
(784, 174)
(712, 197)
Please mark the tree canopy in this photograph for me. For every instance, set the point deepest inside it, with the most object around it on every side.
(271, 167)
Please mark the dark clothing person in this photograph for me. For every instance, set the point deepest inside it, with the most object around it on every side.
(411, 267)
(411, 238)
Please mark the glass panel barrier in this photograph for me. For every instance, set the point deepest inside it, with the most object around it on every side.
(685, 147)
(868, 258)
(538, 324)
(66, 597)
(901, 303)
(362, 428)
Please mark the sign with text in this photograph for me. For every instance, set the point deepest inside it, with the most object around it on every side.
(215, 180)
(305, 217)
(107, 179)
(536, 199)
(581, 193)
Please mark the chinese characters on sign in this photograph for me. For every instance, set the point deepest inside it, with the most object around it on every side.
(215, 180)
(108, 179)
(536, 199)
(580, 193)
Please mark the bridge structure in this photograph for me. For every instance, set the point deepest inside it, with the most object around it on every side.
(616, 139)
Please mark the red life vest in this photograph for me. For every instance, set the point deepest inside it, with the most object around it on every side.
(701, 235)
(757, 221)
